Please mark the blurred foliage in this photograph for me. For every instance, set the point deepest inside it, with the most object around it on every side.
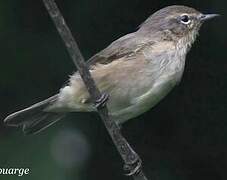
(184, 137)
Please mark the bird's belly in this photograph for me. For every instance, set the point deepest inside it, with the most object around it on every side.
(146, 101)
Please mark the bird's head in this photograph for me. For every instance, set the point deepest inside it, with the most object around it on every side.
(178, 23)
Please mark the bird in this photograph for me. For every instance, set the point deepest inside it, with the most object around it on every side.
(136, 71)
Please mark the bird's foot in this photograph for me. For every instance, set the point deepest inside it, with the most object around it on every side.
(134, 168)
(101, 102)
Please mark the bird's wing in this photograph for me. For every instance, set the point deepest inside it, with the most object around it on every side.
(125, 46)
(113, 69)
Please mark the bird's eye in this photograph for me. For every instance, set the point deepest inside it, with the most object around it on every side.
(185, 19)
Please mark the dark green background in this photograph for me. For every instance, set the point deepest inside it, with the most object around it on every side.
(183, 138)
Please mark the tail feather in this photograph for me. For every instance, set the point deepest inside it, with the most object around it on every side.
(44, 122)
(34, 118)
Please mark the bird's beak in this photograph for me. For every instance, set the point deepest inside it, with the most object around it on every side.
(206, 17)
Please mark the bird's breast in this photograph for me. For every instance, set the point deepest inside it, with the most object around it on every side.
(165, 76)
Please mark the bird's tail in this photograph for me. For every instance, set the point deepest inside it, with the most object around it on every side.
(34, 118)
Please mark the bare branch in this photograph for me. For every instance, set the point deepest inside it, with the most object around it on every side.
(129, 156)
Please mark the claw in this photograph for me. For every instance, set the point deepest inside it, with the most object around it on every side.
(101, 102)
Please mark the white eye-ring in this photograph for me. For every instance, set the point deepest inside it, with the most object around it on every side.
(184, 18)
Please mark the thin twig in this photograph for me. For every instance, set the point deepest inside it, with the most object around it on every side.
(129, 156)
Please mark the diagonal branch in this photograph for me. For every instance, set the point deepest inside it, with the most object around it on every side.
(131, 159)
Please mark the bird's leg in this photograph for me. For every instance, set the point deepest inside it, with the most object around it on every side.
(101, 102)
(134, 168)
